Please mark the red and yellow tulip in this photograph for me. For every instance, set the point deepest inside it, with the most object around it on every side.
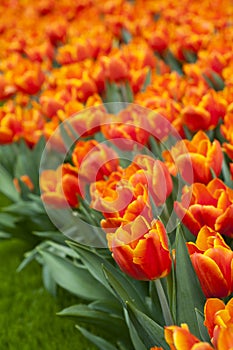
(141, 249)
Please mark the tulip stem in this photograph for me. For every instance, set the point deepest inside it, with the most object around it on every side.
(163, 302)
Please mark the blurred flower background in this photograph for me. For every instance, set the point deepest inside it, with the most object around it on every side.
(116, 166)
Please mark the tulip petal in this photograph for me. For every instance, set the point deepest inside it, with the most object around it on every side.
(212, 306)
(224, 223)
(187, 218)
(210, 276)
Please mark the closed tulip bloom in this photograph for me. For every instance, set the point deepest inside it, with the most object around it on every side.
(180, 338)
(141, 250)
(219, 322)
(212, 259)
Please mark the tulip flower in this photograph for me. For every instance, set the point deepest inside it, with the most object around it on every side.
(26, 180)
(180, 338)
(141, 249)
(127, 193)
(210, 205)
(128, 130)
(119, 200)
(94, 160)
(60, 187)
(219, 322)
(200, 154)
(212, 259)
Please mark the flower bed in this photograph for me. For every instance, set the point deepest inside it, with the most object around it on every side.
(116, 163)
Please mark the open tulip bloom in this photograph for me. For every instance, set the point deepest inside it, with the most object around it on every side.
(116, 163)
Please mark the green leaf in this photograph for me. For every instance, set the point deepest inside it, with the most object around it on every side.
(150, 333)
(94, 264)
(219, 84)
(203, 330)
(54, 235)
(123, 288)
(147, 80)
(127, 93)
(173, 62)
(137, 343)
(7, 220)
(48, 280)
(99, 342)
(126, 35)
(110, 306)
(188, 291)
(75, 279)
(66, 137)
(6, 185)
(4, 235)
(107, 323)
(113, 95)
(226, 172)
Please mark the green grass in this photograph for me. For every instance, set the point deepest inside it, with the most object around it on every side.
(28, 318)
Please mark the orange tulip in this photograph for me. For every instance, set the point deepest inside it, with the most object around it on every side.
(129, 129)
(206, 114)
(26, 180)
(213, 262)
(180, 338)
(219, 322)
(119, 200)
(127, 193)
(199, 155)
(60, 187)
(157, 177)
(94, 160)
(141, 250)
(210, 205)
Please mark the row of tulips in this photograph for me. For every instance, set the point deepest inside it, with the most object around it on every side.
(136, 110)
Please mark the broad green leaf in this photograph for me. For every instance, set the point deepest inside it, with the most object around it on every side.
(150, 333)
(4, 235)
(202, 328)
(154, 303)
(188, 291)
(94, 264)
(98, 341)
(190, 56)
(110, 306)
(6, 185)
(127, 93)
(125, 290)
(218, 82)
(7, 220)
(48, 280)
(108, 324)
(73, 278)
(54, 235)
(173, 62)
(8, 155)
(137, 343)
(113, 95)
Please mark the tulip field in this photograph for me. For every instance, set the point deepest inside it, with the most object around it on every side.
(116, 175)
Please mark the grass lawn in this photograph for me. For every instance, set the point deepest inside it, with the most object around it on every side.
(28, 318)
